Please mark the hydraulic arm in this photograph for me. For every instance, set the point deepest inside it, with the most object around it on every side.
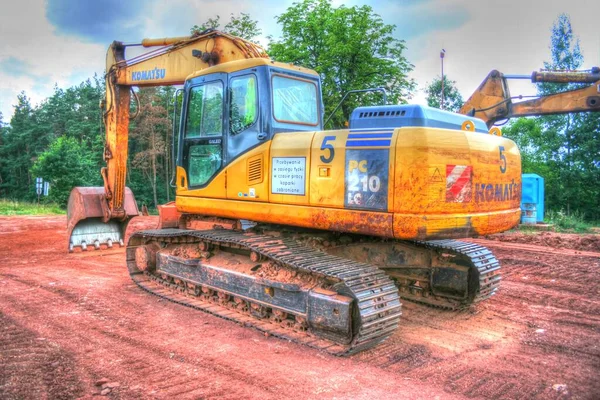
(492, 101)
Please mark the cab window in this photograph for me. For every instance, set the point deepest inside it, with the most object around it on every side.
(205, 161)
(205, 111)
(203, 144)
(244, 103)
(295, 100)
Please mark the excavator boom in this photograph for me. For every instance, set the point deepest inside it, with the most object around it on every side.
(98, 215)
(492, 101)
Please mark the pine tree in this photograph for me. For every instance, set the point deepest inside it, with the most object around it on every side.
(559, 130)
(563, 149)
(18, 150)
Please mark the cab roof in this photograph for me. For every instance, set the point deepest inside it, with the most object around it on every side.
(233, 66)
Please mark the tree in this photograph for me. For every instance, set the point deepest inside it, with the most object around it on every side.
(66, 164)
(148, 133)
(538, 155)
(564, 149)
(18, 150)
(453, 101)
(350, 47)
(242, 26)
(211, 23)
(565, 54)
(165, 96)
(2, 161)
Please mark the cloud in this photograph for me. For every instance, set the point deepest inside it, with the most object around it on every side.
(15, 67)
(418, 18)
(512, 36)
(97, 21)
(37, 58)
(48, 42)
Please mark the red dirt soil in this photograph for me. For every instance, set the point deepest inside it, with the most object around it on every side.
(551, 239)
(75, 326)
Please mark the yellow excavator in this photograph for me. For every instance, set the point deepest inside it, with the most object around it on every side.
(306, 234)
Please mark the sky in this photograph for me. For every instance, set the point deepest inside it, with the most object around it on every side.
(48, 43)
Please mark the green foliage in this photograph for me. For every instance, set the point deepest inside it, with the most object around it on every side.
(242, 26)
(3, 135)
(149, 141)
(73, 113)
(563, 149)
(350, 47)
(211, 23)
(62, 141)
(565, 54)
(453, 100)
(22, 141)
(568, 222)
(538, 155)
(66, 164)
(10, 207)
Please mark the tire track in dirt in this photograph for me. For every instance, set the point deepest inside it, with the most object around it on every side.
(535, 339)
(26, 359)
(161, 382)
(185, 370)
(554, 326)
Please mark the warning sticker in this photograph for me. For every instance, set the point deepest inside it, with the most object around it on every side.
(436, 176)
(288, 175)
(459, 183)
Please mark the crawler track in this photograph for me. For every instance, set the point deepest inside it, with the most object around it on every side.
(377, 306)
(484, 270)
(448, 274)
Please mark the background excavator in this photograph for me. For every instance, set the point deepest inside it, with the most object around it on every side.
(306, 234)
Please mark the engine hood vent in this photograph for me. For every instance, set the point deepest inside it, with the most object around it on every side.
(397, 116)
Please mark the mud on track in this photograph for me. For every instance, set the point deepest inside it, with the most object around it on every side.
(67, 321)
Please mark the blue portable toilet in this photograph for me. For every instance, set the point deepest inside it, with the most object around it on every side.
(532, 199)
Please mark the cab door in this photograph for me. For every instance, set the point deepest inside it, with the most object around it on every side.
(203, 145)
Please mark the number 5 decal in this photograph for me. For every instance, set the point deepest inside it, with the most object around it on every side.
(327, 146)
(502, 159)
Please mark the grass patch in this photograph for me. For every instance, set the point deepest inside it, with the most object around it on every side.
(9, 207)
(572, 222)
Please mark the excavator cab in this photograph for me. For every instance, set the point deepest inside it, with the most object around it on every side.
(230, 109)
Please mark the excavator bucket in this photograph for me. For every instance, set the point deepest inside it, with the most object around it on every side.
(86, 211)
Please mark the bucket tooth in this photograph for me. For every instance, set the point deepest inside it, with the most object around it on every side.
(86, 216)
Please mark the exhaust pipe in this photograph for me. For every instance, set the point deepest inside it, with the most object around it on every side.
(88, 219)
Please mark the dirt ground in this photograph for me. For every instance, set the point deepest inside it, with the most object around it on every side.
(75, 326)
